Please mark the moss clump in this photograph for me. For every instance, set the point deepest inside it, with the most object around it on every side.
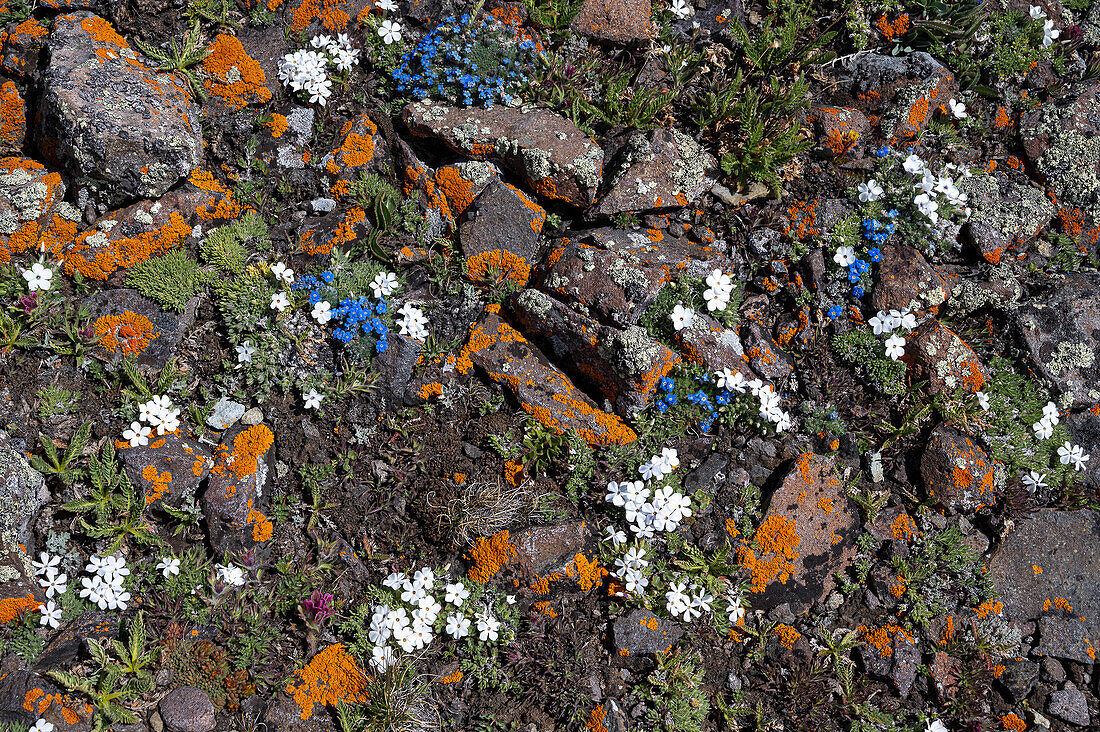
(860, 349)
(171, 279)
(224, 247)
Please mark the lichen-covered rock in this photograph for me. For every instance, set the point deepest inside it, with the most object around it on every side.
(135, 136)
(462, 182)
(541, 389)
(612, 288)
(21, 46)
(169, 469)
(617, 21)
(624, 365)
(241, 473)
(1084, 430)
(716, 347)
(1070, 705)
(554, 157)
(419, 182)
(395, 368)
(362, 150)
(904, 91)
(899, 660)
(1048, 563)
(1062, 140)
(807, 536)
(765, 358)
(670, 254)
(1060, 333)
(657, 169)
(27, 697)
(956, 471)
(23, 492)
(233, 79)
(905, 279)
(1066, 638)
(67, 643)
(13, 119)
(1003, 213)
(33, 212)
(938, 355)
(640, 632)
(499, 234)
(131, 325)
(842, 132)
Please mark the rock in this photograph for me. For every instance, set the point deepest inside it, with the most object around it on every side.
(904, 90)
(21, 47)
(499, 234)
(1062, 140)
(657, 169)
(906, 280)
(842, 132)
(337, 229)
(640, 632)
(33, 212)
(462, 182)
(232, 79)
(169, 469)
(907, 662)
(1084, 430)
(136, 136)
(231, 503)
(252, 417)
(763, 354)
(132, 234)
(283, 714)
(285, 142)
(418, 181)
(1060, 334)
(617, 21)
(939, 356)
(1069, 705)
(13, 119)
(611, 288)
(225, 414)
(1066, 638)
(807, 536)
(541, 389)
(556, 159)
(23, 493)
(1050, 555)
(946, 673)
(624, 365)
(708, 476)
(362, 150)
(1019, 677)
(543, 549)
(1003, 213)
(27, 697)
(132, 325)
(716, 347)
(395, 367)
(187, 709)
(1000, 292)
(659, 249)
(68, 641)
(956, 472)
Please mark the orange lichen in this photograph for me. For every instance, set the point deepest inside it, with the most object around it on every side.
(331, 677)
(248, 446)
(903, 528)
(983, 610)
(429, 390)
(235, 77)
(543, 608)
(261, 526)
(513, 471)
(10, 607)
(776, 540)
(356, 149)
(277, 125)
(452, 678)
(98, 262)
(589, 572)
(1011, 721)
(787, 635)
(496, 266)
(595, 720)
(998, 670)
(1002, 120)
(489, 554)
(128, 333)
(13, 116)
(893, 29)
(882, 638)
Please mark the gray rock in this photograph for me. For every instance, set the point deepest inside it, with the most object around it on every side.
(654, 170)
(1062, 335)
(1069, 705)
(1019, 677)
(30, 197)
(252, 417)
(906, 280)
(1063, 545)
(502, 219)
(907, 661)
(617, 21)
(167, 332)
(187, 709)
(235, 492)
(903, 90)
(71, 638)
(135, 136)
(705, 477)
(1052, 670)
(169, 468)
(543, 549)
(1003, 213)
(225, 414)
(640, 632)
(395, 367)
(1066, 638)
(23, 493)
(957, 473)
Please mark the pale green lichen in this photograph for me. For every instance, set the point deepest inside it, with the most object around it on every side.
(1070, 356)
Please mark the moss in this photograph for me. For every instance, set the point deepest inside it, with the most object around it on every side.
(224, 247)
(171, 279)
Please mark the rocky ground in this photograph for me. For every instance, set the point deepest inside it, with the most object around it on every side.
(556, 364)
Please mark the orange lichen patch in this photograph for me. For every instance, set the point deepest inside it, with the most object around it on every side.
(897, 590)
(452, 678)
(998, 670)
(513, 471)
(802, 220)
(261, 526)
(248, 446)
(496, 266)
(731, 528)
(102, 32)
(277, 125)
(10, 607)
(882, 638)
(37, 701)
(330, 678)
(235, 77)
(903, 528)
(128, 333)
(775, 541)
(1090, 650)
(893, 29)
(948, 631)
(983, 610)
(1011, 721)
(1014, 162)
(543, 608)
(459, 191)
(220, 206)
(595, 720)
(825, 504)
(13, 116)
(589, 572)
(98, 262)
(489, 554)
(331, 13)
(540, 213)
(159, 481)
(429, 390)
(787, 635)
(357, 148)
(1002, 120)
(1036, 569)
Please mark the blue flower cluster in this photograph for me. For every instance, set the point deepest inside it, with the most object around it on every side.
(878, 232)
(357, 313)
(668, 399)
(467, 64)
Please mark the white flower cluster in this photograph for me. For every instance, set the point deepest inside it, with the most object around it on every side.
(930, 185)
(1070, 453)
(681, 317)
(105, 586)
(681, 8)
(158, 412)
(719, 292)
(887, 323)
(649, 511)
(230, 574)
(413, 322)
(689, 606)
(307, 70)
(770, 403)
(411, 627)
(54, 583)
(1044, 428)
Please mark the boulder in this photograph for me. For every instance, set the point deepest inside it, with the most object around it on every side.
(641, 632)
(947, 362)
(23, 493)
(905, 279)
(169, 469)
(132, 325)
(187, 709)
(241, 473)
(904, 91)
(499, 234)
(1003, 213)
(957, 473)
(617, 21)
